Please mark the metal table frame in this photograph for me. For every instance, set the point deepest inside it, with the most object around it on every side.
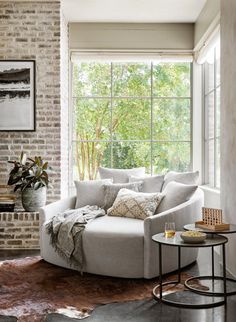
(189, 305)
(213, 277)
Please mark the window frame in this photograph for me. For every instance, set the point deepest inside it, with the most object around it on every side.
(151, 98)
(206, 137)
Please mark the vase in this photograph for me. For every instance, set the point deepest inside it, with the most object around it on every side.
(32, 199)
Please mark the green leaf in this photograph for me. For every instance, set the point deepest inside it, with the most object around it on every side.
(45, 166)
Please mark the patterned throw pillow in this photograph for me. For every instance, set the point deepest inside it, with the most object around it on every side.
(138, 205)
(111, 191)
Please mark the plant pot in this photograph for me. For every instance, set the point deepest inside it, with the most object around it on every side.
(32, 199)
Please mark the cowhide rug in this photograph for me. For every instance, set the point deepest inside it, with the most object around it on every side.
(30, 288)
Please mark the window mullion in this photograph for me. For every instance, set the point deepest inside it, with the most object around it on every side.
(111, 120)
(151, 152)
(215, 118)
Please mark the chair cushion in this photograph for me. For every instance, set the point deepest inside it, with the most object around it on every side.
(150, 184)
(138, 205)
(190, 178)
(90, 192)
(175, 193)
(120, 175)
(114, 246)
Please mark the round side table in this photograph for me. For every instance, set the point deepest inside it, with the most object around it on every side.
(183, 299)
(212, 277)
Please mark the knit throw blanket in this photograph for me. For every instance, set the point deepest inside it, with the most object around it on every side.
(66, 229)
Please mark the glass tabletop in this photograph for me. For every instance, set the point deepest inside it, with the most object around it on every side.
(231, 230)
(177, 240)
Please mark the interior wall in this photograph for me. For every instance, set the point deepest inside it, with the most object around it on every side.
(145, 36)
(228, 120)
(31, 30)
(207, 21)
(64, 107)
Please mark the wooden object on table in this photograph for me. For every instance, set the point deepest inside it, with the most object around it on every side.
(212, 219)
(7, 199)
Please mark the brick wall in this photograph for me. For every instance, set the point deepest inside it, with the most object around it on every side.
(31, 30)
(36, 30)
(64, 106)
(19, 230)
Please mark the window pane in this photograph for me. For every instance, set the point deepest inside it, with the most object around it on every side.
(131, 154)
(171, 79)
(217, 163)
(88, 156)
(131, 79)
(171, 119)
(171, 156)
(210, 116)
(209, 75)
(131, 119)
(92, 79)
(92, 119)
(218, 112)
(211, 162)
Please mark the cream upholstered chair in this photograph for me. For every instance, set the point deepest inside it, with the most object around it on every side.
(123, 247)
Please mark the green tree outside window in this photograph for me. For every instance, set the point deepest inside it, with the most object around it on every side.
(129, 115)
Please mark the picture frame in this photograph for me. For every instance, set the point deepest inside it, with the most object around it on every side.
(17, 95)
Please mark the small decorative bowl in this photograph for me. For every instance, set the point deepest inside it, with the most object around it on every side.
(193, 237)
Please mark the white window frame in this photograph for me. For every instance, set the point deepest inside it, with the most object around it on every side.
(205, 113)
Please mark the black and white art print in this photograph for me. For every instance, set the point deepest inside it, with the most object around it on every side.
(17, 95)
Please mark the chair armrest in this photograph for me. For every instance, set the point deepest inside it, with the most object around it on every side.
(49, 211)
(181, 215)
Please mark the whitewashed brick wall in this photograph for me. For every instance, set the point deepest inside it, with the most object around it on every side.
(19, 230)
(36, 30)
(64, 106)
(31, 30)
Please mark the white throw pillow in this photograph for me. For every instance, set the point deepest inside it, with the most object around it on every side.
(120, 175)
(175, 193)
(132, 204)
(150, 184)
(111, 191)
(90, 192)
(182, 177)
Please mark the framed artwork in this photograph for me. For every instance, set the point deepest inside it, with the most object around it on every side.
(17, 95)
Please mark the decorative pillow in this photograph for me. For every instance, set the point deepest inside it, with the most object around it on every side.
(90, 192)
(111, 191)
(150, 184)
(132, 204)
(175, 193)
(120, 175)
(182, 177)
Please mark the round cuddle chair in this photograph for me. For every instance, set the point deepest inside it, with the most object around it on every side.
(123, 247)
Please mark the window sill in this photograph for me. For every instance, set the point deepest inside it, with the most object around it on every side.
(210, 189)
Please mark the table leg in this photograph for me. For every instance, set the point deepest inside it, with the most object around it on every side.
(212, 263)
(224, 272)
(179, 264)
(160, 270)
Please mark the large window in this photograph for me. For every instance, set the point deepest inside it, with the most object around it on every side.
(129, 115)
(212, 117)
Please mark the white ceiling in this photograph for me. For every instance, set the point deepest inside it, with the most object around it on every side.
(149, 11)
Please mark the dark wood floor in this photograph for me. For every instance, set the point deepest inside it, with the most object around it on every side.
(149, 310)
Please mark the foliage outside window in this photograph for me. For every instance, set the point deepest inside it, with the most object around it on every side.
(130, 115)
(212, 117)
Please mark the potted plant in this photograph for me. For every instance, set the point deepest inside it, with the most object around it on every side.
(31, 177)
